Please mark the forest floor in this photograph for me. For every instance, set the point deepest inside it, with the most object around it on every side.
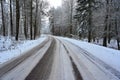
(58, 58)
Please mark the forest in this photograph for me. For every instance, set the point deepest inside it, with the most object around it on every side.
(59, 39)
(93, 20)
(22, 18)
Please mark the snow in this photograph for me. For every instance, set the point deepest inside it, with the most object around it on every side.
(19, 49)
(107, 55)
(112, 44)
(5, 43)
(61, 64)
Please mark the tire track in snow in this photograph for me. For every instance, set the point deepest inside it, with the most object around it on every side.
(76, 72)
(98, 62)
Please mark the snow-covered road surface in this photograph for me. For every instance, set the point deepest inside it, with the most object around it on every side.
(58, 59)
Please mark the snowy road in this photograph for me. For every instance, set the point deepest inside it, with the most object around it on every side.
(57, 59)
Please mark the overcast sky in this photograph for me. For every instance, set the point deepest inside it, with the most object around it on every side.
(55, 3)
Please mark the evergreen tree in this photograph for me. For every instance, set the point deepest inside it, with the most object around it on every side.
(84, 15)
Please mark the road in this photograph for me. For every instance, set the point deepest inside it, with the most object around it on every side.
(57, 59)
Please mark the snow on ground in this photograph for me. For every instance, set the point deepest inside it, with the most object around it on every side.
(19, 49)
(107, 55)
(5, 43)
(113, 43)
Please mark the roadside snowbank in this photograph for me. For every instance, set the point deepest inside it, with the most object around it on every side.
(112, 44)
(19, 49)
(5, 43)
(107, 55)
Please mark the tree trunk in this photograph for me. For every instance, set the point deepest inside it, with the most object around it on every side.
(3, 20)
(109, 34)
(109, 24)
(35, 27)
(53, 29)
(71, 18)
(31, 30)
(118, 43)
(11, 21)
(105, 34)
(52, 23)
(90, 23)
(106, 25)
(25, 27)
(17, 18)
(116, 31)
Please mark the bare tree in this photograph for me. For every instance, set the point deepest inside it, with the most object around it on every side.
(36, 14)
(3, 18)
(71, 16)
(25, 20)
(31, 19)
(11, 21)
(17, 19)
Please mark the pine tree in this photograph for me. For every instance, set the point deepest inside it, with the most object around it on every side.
(84, 15)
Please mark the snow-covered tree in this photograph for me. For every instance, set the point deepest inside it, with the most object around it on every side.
(84, 15)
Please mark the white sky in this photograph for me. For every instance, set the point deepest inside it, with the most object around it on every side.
(55, 3)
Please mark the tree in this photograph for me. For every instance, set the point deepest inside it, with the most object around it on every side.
(106, 24)
(31, 21)
(3, 19)
(35, 25)
(84, 15)
(117, 34)
(51, 19)
(17, 19)
(22, 18)
(71, 17)
(11, 21)
(25, 20)
(117, 21)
